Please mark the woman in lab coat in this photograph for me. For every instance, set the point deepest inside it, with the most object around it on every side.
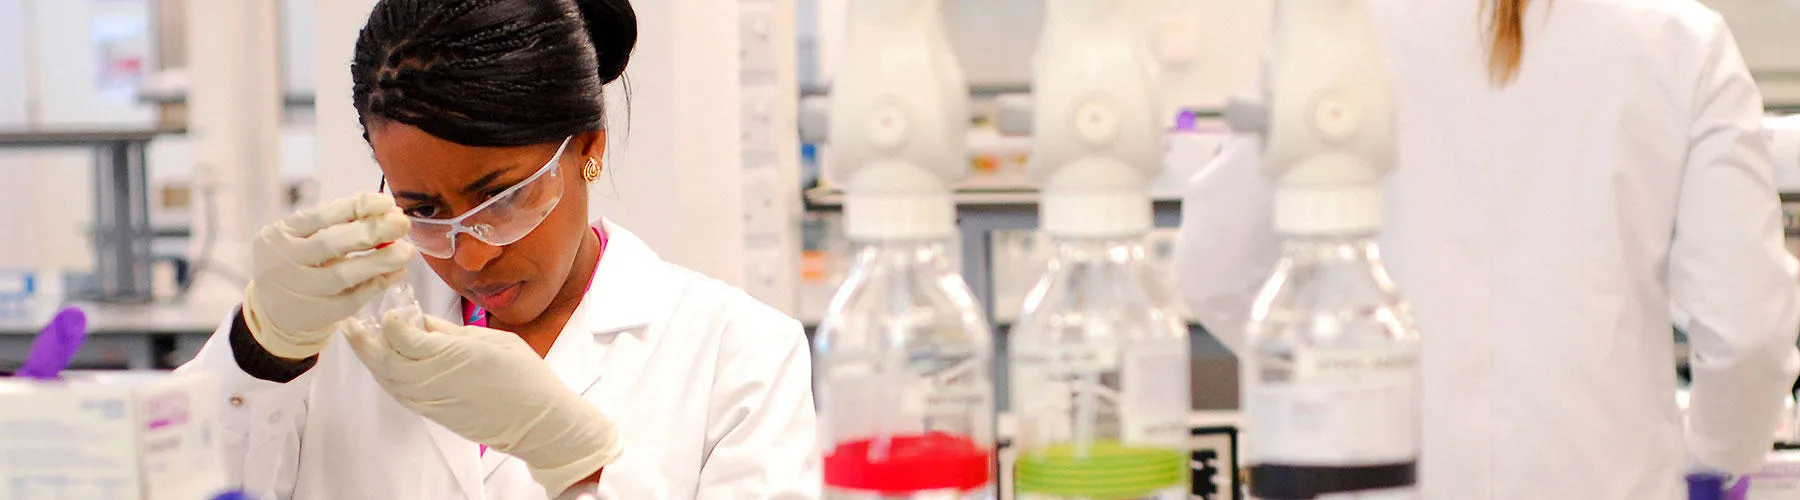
(598, 362)
(1569, 170)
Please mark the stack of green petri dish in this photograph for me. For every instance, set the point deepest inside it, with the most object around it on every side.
(1109, 471)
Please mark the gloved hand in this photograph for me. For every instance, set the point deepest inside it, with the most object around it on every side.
(305, 280)
(490, 387)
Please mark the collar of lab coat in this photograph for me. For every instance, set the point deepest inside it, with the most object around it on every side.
(619, 302)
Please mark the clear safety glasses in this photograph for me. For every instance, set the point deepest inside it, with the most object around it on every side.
(502, 220)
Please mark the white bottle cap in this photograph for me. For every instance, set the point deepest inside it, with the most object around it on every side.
(1327, 210)
(1096, 213)
(889, 216)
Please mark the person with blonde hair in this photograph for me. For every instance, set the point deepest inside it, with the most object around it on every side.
(1569, 172)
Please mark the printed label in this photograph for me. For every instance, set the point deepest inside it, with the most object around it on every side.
(922, 397)
(1336, 408)
(1154, 393)
(1067, 361)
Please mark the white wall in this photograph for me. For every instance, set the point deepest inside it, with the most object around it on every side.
(346, 166)
(673, 173)
(298, 52)
(13, 68)
(49, 206)
(68, 61)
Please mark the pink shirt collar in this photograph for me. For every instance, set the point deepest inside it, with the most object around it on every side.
(474, 315)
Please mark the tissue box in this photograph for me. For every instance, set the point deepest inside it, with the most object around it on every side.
(118, 435)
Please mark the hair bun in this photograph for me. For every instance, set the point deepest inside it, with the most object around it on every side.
(612, 27)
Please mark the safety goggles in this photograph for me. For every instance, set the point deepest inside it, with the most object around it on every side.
(502, 220)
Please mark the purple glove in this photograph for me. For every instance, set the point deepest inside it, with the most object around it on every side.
(55, 347)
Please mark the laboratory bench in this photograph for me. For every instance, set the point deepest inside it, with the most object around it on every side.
(130, 336)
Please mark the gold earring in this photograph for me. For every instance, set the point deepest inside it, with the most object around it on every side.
(591, 170)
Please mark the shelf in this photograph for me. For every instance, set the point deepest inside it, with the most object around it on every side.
(32, 138)
(833, 198)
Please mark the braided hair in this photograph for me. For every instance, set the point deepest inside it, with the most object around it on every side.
(491, 73)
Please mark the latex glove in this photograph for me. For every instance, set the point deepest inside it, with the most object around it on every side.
(56, 345)
(306, 280)
(490, 387)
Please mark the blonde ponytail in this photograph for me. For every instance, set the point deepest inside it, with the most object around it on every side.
(1506, 23)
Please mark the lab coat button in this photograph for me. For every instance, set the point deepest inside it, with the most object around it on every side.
(237, 400)
(274, 417)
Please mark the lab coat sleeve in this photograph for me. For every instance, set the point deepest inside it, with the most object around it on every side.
(1727, 269)
(762, 427)
(1227, 245)
(261, 420)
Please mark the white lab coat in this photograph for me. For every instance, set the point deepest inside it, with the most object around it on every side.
(1541, 234)
(711, 391)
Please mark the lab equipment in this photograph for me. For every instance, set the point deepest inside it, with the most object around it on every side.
(1099, 359)
(1331, 376)
(125, 435)
(489, 387)
(56, 345)
(30, 294)
(903, 352)
(1784, 149)
(18, 293)
(501, 220)
(905, 398)
(1100, 378)
(306, 281)
(1331, 380)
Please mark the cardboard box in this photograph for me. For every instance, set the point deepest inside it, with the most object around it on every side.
(115, 435)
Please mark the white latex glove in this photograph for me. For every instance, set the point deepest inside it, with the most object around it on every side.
(304, 285)
(491, 388)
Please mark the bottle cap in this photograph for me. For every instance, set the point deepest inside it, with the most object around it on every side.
(1096, 213)
(1327, 209)
(891, 216)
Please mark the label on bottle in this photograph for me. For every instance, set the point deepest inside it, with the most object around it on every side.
(1153, 382)
(1066, 361)
(1338, 407)
(927, 398)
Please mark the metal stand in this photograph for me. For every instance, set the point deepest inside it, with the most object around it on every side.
(121, 223)
(121, 231)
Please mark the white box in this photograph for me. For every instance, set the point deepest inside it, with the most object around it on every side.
(1778, 479)
(116, 435)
